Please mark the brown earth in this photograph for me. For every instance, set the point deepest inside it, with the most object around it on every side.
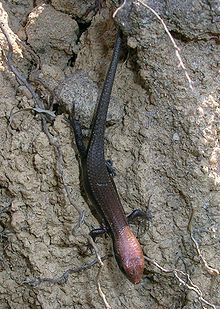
(162, 136)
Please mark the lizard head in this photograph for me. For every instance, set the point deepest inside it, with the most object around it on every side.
(129, 255)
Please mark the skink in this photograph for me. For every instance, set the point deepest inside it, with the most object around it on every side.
(99, 185)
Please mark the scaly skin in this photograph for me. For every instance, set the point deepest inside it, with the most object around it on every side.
(99, 184)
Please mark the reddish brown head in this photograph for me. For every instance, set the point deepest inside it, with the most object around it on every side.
(129, 255)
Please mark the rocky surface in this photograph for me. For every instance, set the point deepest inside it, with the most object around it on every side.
(162, 136)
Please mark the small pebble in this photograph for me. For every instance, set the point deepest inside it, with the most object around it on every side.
(176, 137)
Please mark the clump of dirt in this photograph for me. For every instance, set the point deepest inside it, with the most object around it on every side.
(162, 136)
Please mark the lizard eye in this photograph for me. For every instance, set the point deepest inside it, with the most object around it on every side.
(120, 264)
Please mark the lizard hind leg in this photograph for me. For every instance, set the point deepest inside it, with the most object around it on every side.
(110, 167)
(77, 130)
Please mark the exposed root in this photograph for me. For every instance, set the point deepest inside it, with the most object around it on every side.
(186, 281)
(212, 271)
(177, 49)
(65, 276)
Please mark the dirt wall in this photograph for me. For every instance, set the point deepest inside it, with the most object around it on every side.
(162, 136)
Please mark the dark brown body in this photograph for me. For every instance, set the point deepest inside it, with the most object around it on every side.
(100, 187)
